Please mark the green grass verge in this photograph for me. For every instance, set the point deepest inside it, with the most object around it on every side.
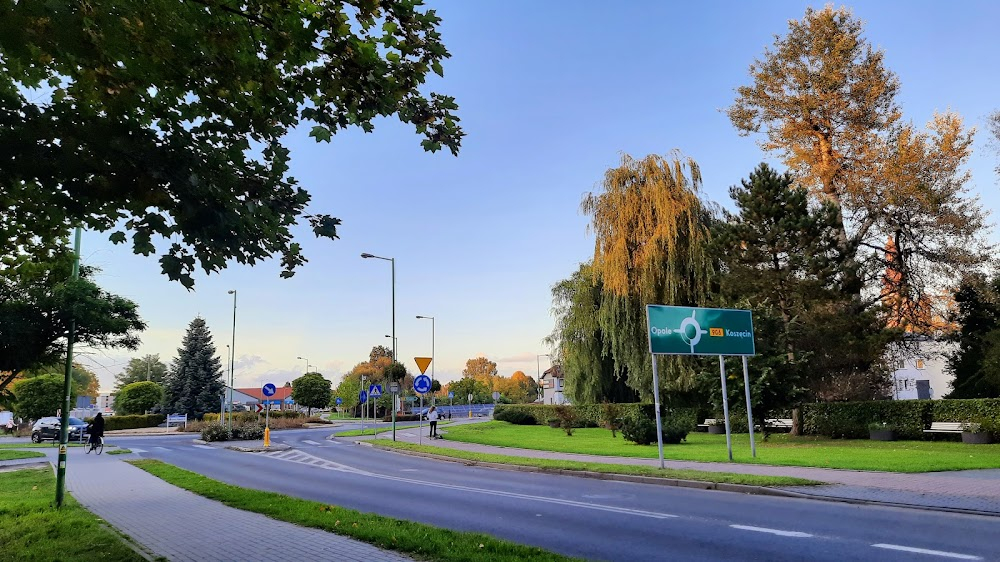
(381, 429)
(550, 464)
(32, 529)
(119, 452)
(47, 444)
(422, 541)
(13, 455)
(780, 449)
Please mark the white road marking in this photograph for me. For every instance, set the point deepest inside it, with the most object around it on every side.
(161, 448)
(134, 450)
(203, 446)
(778, 532)
(408, 470)
(330, 465)
(310, 442)
(927, 551)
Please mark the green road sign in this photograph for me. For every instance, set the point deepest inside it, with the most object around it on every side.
(685, 330)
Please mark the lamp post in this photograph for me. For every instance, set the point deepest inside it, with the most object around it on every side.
(431, 318)
(232, 363)
(393, 262)
(393, 340)
(307, 363)
(538, 373)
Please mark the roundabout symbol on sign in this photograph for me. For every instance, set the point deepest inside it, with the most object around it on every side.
(422, 384)
(690, 331)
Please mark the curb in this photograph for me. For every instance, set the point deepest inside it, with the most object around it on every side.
(677, 482)
(24, 465)
(696, 484)
(260, 449)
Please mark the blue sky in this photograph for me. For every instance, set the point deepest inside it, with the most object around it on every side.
(550, 94)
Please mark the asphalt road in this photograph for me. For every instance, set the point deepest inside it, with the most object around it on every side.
(592, 519)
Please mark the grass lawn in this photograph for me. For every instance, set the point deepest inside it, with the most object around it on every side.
(781, 449)
(548, 464)
(422, 541)
(10, 455)
(119, 452)
(32, 529)
(383, 428)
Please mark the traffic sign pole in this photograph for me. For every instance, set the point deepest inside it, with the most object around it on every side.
(725, 405)
(656, 406)
(746, 386)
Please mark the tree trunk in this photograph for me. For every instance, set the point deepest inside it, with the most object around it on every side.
(796, 422)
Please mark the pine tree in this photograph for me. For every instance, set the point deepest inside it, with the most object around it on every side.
(976, 362)
(194, 385)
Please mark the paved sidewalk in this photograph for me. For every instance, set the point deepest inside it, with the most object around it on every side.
(970, 490)
(180, 525)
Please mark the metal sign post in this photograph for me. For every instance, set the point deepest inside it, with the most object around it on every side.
(681, 330)
(421, 385)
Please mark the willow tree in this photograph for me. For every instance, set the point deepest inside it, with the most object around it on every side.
(652, 240)
(826, 104)
(578, 339)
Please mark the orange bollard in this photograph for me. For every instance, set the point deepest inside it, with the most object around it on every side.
(267, 436)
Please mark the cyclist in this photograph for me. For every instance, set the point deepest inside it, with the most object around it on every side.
(96, 430)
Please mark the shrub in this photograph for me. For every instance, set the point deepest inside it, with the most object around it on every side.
(250, 431)
(112, 423)
(567, 418)
(675, 430)
(216, 432)
(909, 418)
(402, 417)
(516, 417)
(611, 417)
(639, 430)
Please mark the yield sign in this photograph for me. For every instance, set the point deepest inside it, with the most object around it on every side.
(422, 363)
(260, 408)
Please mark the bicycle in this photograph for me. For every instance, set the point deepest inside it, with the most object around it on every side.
(96, 446)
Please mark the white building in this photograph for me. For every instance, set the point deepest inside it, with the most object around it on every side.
(923, 375)
(552, 386)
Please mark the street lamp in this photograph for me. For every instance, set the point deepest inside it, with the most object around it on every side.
(431, 318)
(307, 363)
(538, 374)
(232, 362)
(393, 261)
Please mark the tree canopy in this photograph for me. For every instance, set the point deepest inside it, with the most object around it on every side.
(194, 384)
(163, 121)
(138, 397)
(312, 391)
(148, 367)
(40, 396)
(37, 299)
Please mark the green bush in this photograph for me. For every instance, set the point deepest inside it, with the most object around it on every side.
(516, 417)
(112, 423)
(850, 420)
(639, 430)
(675, 430)
(250, 431)
(216, 432)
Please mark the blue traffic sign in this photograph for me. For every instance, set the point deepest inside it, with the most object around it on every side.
(375, 390)
(339, 401)
(422, 384)
(363, 396)
(269, 389)
(451, 394)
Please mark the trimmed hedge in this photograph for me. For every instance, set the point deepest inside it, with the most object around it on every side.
(252, 416)
(112, 423)
(850, 420)
(589, 415)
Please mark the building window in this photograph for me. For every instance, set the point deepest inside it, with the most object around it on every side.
(920, 363)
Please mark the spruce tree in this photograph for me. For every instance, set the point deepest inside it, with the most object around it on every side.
(194, 385)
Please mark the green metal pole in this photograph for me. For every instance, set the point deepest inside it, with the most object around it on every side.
(67, 388)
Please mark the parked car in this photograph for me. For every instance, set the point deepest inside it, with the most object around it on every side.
(48, 428)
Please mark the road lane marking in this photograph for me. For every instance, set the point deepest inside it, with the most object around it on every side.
(778, 532)
(310, 442)
(307, 459)
(203, 446)
(161, 448)
(927, 551)
(134, 450)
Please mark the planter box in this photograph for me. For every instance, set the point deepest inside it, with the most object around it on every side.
(717, 429)
(976, 438)
(882, 435)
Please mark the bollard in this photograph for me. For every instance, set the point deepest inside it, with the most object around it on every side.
(267, 436)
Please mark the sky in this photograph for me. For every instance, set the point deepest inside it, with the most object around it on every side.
(550, 94)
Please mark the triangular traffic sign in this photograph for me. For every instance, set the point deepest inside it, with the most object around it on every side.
(422, 363)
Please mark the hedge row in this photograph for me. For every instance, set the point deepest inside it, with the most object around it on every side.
(849, 420)
(252, 416)
(112, 423)
(592, 414)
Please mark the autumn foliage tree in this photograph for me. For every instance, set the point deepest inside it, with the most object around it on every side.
(826, 103)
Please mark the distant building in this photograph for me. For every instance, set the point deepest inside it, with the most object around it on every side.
(552, 386)
(923, 376)
(106, 402)
(282, 399)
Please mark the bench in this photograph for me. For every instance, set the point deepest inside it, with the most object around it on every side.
(785, 424)
(707, 422)
(945, 427)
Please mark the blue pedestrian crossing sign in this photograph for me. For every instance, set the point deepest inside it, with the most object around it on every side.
(451, 394)
(422, 384)
(363, 396)
(339, 401)
(375, 390)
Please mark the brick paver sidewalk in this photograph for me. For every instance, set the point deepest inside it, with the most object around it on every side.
(973, 490)
(180, 525)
